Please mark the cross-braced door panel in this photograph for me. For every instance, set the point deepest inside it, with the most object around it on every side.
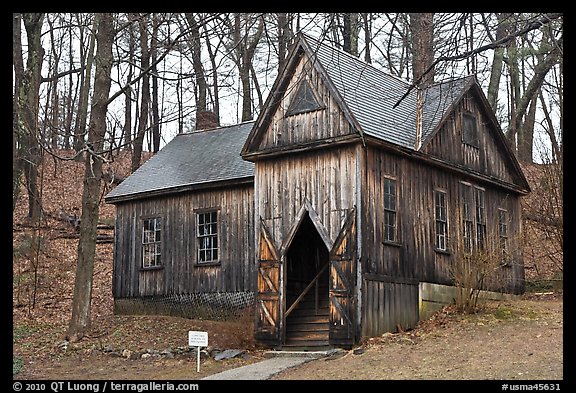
(268, 298)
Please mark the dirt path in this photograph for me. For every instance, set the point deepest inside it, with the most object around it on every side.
(510, 340)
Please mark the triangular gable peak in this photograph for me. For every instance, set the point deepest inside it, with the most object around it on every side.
(302, 110)
(467, 134)
(305, 100)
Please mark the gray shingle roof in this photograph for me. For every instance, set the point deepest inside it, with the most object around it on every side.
(191, 159)
(371, 94)
(438, 99)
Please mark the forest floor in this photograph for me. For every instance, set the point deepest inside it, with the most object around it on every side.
(508, 340)
(520, 339)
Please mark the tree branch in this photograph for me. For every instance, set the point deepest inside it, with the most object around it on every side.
(63, 73)
(536, 24)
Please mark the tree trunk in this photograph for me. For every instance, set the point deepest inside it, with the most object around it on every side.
(29, 103)
(245, 46)
(422, 30)
(526, 134)
(81, 303)
(126, 139)
(16, 110)
(284, 37)
(86, 58)
(350, 33)
(155, 114)
(366, 18)
(196, 49)
(496, 71)
(145, 98)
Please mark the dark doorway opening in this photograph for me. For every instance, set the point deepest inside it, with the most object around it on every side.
(307, 314)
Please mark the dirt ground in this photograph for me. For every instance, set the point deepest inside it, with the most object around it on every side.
(520, 339)
(509, 340)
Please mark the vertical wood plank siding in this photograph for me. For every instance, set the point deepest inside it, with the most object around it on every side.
(392, 271)
(447, 143)
(326, 178)
(180, 272)
(414, 257)
(323, 123)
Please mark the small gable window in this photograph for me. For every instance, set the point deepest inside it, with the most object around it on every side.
(304, 100)
(470, 130)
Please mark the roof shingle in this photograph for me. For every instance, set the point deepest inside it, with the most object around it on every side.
(190, 159)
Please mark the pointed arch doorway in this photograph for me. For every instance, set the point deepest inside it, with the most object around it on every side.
(307, 287)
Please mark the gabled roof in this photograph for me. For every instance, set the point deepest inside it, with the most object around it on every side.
(367, 95)
(190, 161)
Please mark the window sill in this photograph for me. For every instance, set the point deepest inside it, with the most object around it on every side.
(202, 264)
(444, 252)
(151, 268)
(393, 244)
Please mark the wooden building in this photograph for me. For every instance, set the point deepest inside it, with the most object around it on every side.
(184, 229)
(352, 213)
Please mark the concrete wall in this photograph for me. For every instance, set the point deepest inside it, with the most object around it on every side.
(432, 297)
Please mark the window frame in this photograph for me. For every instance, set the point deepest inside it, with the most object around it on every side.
(441, 222)
(390, 211)
(302, 85)
(214, 236)
(467, 218)
(157, 243)
(480, 217)
(474, 141)
(503, 237)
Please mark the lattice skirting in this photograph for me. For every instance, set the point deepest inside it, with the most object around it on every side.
(211, 306)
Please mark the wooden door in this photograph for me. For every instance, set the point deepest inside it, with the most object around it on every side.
(268, 297)
(343, 284)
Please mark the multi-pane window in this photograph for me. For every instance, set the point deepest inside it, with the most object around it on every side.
(207, 235)
(480, 218)
(441, 220)
(389, 210)
(470, 130)
(151, 242)
(467, 217)
(503, 234)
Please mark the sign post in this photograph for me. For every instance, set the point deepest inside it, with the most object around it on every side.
(197, 339)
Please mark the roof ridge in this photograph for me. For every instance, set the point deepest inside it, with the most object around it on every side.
(449, 79)
(342, 51)
(215, 128)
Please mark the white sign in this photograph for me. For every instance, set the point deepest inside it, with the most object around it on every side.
(197, 339)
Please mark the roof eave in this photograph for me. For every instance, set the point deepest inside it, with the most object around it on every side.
(180, 189)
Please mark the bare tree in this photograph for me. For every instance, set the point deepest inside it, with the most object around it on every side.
(81, 304)
(244, 39)
(17, 129)
(145, 95)
(422, 31)
(86, 61)
(28, 108)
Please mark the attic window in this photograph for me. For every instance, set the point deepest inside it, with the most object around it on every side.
(470, 130)
(304, 100)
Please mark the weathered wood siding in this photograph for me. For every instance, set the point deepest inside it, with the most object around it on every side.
(326, 178)
(180, 272)
(392, 271)
(325, 123)
(414, 257)
(447, 144)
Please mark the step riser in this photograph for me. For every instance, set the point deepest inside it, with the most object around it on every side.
(307, 328)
